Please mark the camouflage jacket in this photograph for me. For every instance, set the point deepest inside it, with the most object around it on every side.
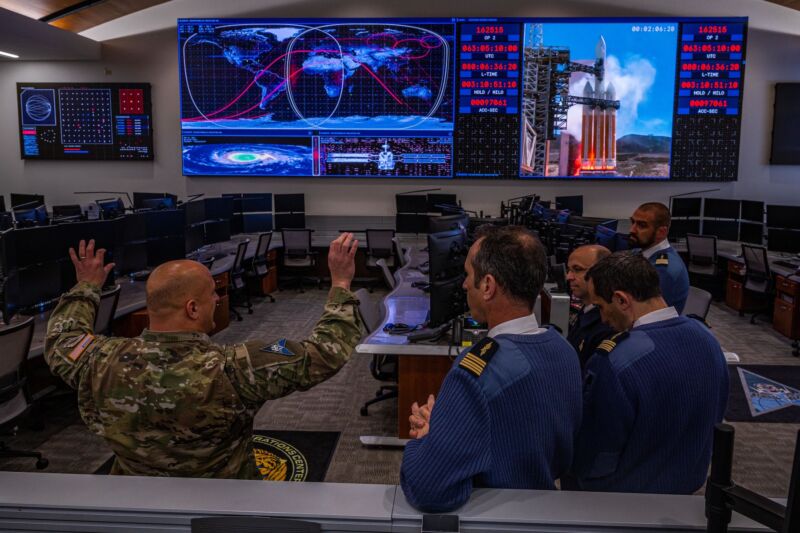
(176, 404)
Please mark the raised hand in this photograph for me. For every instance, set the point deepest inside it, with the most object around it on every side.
(341, 260)
(89, 264)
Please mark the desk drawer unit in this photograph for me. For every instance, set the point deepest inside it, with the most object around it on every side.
(786, 314)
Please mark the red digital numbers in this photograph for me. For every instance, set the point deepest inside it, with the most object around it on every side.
(488, 84)
(713, 28)
(488, 66)
(708, 103)
(490, 30)
(489, 48)
(492, 102)
(707, 67)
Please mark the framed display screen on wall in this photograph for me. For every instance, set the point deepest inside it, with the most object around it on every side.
(85, 121)
(500, 98)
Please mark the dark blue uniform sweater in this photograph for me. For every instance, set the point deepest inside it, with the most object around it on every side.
(513, 426)
(673, 276)
(650, 406)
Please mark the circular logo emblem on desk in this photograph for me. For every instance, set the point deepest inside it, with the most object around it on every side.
(278, 461)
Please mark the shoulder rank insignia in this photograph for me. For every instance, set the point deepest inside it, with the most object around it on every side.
(278, 348)
(662, 259)
(609, 344)
(479, 356)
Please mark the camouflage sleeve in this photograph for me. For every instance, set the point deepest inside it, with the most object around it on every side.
(262, 371)
(69, 333)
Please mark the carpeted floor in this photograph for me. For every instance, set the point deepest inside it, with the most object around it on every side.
(762, 457)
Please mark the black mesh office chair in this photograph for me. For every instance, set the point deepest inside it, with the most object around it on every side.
(757, 277)
(702, 251)
(383, 367)
(15, 342)
(299, 257)
(105, 312)
(258, 267)
(697, 303)
(252, 524)
(240, 297)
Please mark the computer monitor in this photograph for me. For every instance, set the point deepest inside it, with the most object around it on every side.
(194, 237)
(168, 201)
(621, 242)
(411, 223)
(605, 237)
(783, 240)
(217, 231)
(783, 216)
(32, 246)
(261, 203)
(290, 203)
(130, 257)
(257, 222)
(753, 211)
(165, 249)
(67, 211)
(437, 200)
(679, 228)
(25, 217)
(411, 203)
(751, 233)
(726, 230)
(132, 228)
(721, 208)
(28, 201)
(448, 222)
(218, 208)
(2, 203)
(6, 221)
(573, 203)
(447, 299)
(447, 251)
(104, 232)
(195, 212)
(111, 208)
(34, 286)
(290, 221)
(164, 223)
(686, 207)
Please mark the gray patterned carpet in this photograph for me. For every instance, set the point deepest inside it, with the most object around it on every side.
(762, 459)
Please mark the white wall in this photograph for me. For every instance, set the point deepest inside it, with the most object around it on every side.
(152, 57)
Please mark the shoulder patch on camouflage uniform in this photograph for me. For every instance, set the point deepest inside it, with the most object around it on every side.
(278, 347)
(662, 259)
(80, 346)
(478, 356)
(609, 344)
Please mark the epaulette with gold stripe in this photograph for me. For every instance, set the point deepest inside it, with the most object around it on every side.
(662, 259)
(478, 356)
(609, 344)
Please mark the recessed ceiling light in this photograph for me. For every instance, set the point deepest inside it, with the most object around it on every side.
(7, 54)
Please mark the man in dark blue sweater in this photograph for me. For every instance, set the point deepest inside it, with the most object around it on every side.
(649, 230)
(509, 409)
(652, 393)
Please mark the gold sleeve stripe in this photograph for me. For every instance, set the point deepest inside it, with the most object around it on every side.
(471, 366)
(478, 361)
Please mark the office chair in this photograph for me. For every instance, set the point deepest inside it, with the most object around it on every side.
(237, 283)
(105, 312)
(387, 274)
(251, 524)
(15, 341)
(380, 245)
(757, 276)
(258, 267)
(383, 367)
(697, 303)
(702, 263)
(401, 254)
(299, 256)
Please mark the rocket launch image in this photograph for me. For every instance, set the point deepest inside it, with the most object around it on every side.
(592, 104)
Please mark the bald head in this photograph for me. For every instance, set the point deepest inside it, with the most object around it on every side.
(591, 252)
(580, 260)
(181, 297)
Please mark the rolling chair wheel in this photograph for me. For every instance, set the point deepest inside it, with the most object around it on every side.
(364, 411)
(42, 463)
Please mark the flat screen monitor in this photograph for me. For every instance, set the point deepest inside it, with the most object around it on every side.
(605, 237)
(133, 228)
(34, 286)
(786, 125)
(104, 232)
(26, 201)
(573, 203)
(437, 202)
(36, 216)
(257, 222)
(447, 300)
(194, 237)
(411, 203)
(195, 212)
(753, 211)
(686, 207)
(131, 257)
(451, 98)
(256, 204)
(751, 233)
(218, 208)
(721, 208)
(139, 198)
(290, 203)
(448, 222)
(411, 223)
(290, 221)
(678, 229)
(32, 246)
(783, 240)
(164, 223)
(85, 121)
(111, 208)
(158, 203)
(783, 216)
(726, 230)
(165, 249)
(2, 203)
(447, 251)
(217, 231)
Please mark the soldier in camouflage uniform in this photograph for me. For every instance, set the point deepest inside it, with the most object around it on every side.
(171, 402)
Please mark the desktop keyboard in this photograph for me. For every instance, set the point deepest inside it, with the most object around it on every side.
(787, 264)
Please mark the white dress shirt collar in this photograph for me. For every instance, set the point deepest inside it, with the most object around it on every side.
(525, 325)
(656, 316)
(663, 245)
